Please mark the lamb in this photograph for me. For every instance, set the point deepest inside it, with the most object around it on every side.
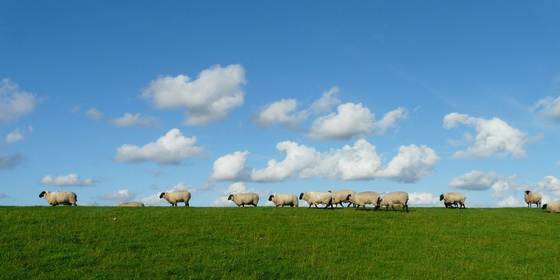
(364, 198)
(395, 198)
(132, 204)
(338, 197)
(242, 199)
(451, 199)
(532, 198)
(60, 198)
(284, 199)
(316, 198)
(174, 197)
(552, 207)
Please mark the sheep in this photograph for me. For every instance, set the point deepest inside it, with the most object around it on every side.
(552, 207)
(174, 197)
(451, 199)
(364, 198)
(132, 204)
(395, 198)
(316, 198)
(284, 199)
(60, 198)
(338, 197)
(242, 199)
(532, 198)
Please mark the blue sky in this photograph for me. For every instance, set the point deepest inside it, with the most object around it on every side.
(470, 91)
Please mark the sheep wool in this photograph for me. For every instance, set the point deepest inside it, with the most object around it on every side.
(362, 199)
(338, 197)
(242, 199)
(532, 198)
(281, 200)
(316, 198)
(553, 207)
(60, 198)
(393, 199)
(453, 199)
(175, 197)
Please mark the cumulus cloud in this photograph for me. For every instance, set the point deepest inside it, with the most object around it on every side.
(327, 101)
(94, 114)
(550, 184)
(548, 107)
(493, 136)
(423, 198)
(509, 201)
(71, 179)
(10, 161)
(230, 167)
(129, 119)
(119, 195)
(282, 112)
(171, 148)
(216, 91)
(15, 102)
(475, 180)
(410, 164)
(351, 119)
(359, 161)
(17, 135)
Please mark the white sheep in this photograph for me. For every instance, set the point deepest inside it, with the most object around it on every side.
(364, 198)
(395, 198)
(242, 199)
(284, 199)
(132, 204)
(316, 198)
(174, 197)
(552, 207)
(451, 199)
(60, 198)
(532, 198)
(338, 197)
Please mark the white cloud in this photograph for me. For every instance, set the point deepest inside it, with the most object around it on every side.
(389, 120)
(297, 158)
(119, 195)
(282, 112)
(171, 148)
(475, 180)
(548, 107)
(550, 184)
(327, 101)
(423, 198)
(210, 97)
(17, 135)
(359, 161)
(71, 179)
(493, 136)
(509, 201)
(14, 102)
(353, 119)
(230, 167)
(410, 164)
(7, 162)
(94, 114)
(129, 119)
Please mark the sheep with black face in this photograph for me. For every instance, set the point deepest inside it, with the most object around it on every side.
(451, 199)
(552, 207)
(281, 200)
(242, 199)
(175, 197)
(532, 198)
(316, 198)
(60, 198)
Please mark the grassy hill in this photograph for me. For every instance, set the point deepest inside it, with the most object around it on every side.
(267, 243)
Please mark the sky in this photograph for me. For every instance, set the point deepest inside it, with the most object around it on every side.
(121, 100)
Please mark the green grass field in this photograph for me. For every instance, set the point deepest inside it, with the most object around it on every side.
(268, 243)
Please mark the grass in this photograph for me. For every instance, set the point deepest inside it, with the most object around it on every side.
(268, 243)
